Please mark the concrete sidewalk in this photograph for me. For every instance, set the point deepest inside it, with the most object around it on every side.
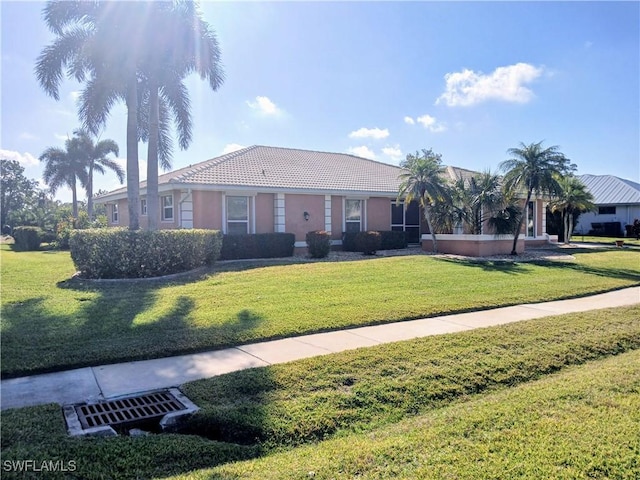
(95, 383)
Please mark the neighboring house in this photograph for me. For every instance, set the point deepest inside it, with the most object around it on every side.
(617, 204)
(263, 189)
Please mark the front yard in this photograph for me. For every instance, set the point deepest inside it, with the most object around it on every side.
(51, 323)
(555, 397)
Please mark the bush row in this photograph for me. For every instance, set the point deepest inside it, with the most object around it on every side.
(27, 238)
(357, 242)
(260, 245)
(122, 253)
(318, 243)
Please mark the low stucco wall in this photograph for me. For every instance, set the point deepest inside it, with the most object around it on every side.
(472, 245)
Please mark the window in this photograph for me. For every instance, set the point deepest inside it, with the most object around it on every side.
(143, 206)
(353, 215)
(607, 210)
(406, 218)
(114, 213)
(531, 220)
(167, 207)
(237, 215)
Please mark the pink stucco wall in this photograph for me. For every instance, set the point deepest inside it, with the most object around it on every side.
(472, 245)
(207, 209)
(337, 215)
(378, 214)
(295, 205)
(265, 218)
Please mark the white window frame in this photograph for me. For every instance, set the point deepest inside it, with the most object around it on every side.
(115, 217)
(360, 221)
(143, 206)
(163, 208)
(244, 221)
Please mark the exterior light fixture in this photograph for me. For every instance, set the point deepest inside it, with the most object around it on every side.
(306, 216)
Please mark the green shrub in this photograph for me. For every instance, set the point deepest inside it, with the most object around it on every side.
(121, 253)
(318, 243)
(259, 245)
(391, 240)
(27, 238)
(368, 242)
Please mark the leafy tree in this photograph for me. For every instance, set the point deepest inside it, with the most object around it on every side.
(572, 200)
(16, 191)
(94, 45)
(180, 43)
(424, 183)
(65, 167)
(96, 160)
(533, 168)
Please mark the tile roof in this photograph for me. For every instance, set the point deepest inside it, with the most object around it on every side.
(611, 190)
(286, 168)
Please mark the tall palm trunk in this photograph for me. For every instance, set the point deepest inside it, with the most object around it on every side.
(569, 226)
(133, 173)
(74, 201)
(427, 217)
(152, 157)
(514, 251)
(90, 192)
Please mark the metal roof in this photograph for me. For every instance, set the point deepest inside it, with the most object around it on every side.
(611, 190)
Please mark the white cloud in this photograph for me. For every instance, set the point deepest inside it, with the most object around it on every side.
(232, 147)
(75, 95)
(505, 84)
(362, 151)
(27, 136)
(393, 152)
(25, 159)
(409, 120)
(60, 136)
(264, 106)
(375, 133)
(431, 124)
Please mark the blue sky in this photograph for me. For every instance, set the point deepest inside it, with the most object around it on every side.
(377, 79)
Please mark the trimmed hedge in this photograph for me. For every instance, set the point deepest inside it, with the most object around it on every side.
(368, 242)
(27, 238)
(318, 243)
(122, 253)
(389, 240)
(257, 245)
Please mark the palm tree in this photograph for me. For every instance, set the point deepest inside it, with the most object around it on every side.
(65, 167)
(423, 182)
(533, 168)
(181, 43)
(96, 42)
(572, 199)
(96, 160)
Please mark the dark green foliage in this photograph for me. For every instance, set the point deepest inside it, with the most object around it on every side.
(120, 253)
(260, 245)
(318, 243)
(389, 240)
(368, 242)
(27, 238)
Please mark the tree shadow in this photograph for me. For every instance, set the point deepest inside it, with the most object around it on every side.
(504, 266)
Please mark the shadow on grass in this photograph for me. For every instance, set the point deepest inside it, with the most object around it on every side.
(106, 323)
(504, 266)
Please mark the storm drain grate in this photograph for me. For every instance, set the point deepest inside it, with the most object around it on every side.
(128, 410)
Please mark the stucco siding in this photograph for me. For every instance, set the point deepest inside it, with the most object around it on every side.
(295, 206)
(265, 219)
(378, 214)
(207, 210)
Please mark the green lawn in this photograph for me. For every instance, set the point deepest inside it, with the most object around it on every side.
(50, 323)
(605, 240)
(549, 398)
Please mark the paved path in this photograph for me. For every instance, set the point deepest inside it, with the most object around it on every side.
(94, 383)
